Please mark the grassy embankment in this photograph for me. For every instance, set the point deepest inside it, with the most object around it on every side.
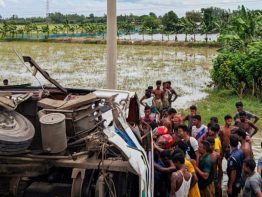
(121, 42)
(220, 103)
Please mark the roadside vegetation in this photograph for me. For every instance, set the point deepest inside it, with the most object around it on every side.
(238, 66)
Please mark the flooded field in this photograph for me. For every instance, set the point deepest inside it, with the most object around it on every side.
(82, 65)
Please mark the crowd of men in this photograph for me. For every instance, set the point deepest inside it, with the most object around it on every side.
(188, 154)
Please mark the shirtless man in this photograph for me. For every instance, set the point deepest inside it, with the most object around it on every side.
(168, 121)
(158, 96)
(225, 132)
(245, 146)
(181, 179)
(246, 125)
(250, 116)
(165, 101)
(217, 167)
(173, 95)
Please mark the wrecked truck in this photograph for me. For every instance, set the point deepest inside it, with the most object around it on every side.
(57, 141)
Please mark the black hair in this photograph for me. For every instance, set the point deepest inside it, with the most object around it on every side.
(206, 144)
(150, 87)
(215, 128)
(241, 133)
(193, 107)
(182, 145)
(239, 104)
(211, 140)
(165, 153)
(5, 81)
(177, 151)
(250, 163)
(172, 111)
(147, 108)
(179, 157)
(147, 93)
(242, 113)
(158, 82)
(198, 117)
(233, 140)
(227, 117)
(169, 82)
(214, 119)
(183, 127)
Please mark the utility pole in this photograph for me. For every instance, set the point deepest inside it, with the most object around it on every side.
(111, 44)
(47, 11)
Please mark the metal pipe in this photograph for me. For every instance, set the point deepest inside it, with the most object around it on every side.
(111, 44)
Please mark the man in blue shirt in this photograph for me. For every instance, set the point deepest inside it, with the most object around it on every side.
(234, 168)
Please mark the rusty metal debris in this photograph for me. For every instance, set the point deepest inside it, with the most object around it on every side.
(70, 142)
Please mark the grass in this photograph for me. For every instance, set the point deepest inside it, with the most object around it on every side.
(222, 102)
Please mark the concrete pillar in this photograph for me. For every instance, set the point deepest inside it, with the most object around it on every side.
(111, 44)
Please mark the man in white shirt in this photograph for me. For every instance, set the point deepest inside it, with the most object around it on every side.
(199, 130)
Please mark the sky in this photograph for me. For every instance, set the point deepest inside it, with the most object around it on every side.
(29, 8)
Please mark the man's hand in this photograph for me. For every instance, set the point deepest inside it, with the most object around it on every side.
(193, 162)
(229, 190)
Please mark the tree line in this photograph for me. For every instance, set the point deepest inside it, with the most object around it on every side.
(206, 21)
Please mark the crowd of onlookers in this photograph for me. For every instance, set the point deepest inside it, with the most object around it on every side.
(188, 154)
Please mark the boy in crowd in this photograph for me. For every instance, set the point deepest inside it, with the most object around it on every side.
(172, 93)
(250, 116)
(181, 179)
(191, 142)
(158, 96)
(234, 168)
(199, 130)
(225, 132)
(245, 124)
(253, 182)
(245, 146)
(213, 132)
(189, 117)
(161, 170)
(204, 170)
(148, 100)
(166, 94)
(217, 167)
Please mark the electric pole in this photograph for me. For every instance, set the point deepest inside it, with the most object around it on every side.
(111, 44)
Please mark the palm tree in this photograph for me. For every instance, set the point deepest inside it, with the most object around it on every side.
(21, 31)
(45, 29)
(28, 29)
(66, 26)
(142, 31)
(81, 26)
(12, 29)
(186, 27)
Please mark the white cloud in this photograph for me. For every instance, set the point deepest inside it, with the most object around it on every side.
(2, 3)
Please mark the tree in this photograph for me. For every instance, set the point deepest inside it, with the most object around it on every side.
(151, 24)
(186, 27)
(169, 21)
(194, 16)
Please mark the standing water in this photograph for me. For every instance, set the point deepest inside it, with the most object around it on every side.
(84, 65)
